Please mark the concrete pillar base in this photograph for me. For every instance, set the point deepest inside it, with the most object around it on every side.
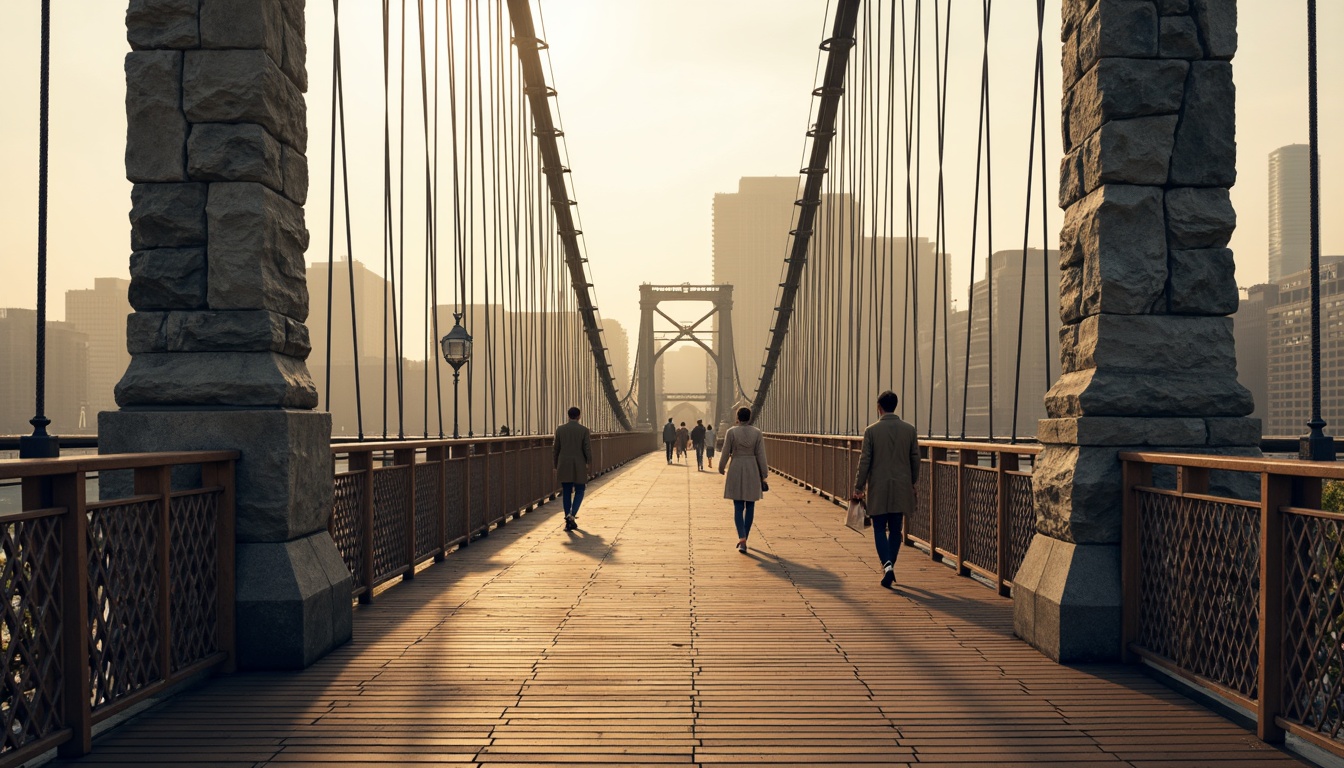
(1066, 600)
(294, 602)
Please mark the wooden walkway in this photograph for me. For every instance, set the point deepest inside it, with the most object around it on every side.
(646, 638)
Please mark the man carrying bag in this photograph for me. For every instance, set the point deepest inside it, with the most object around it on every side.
(888, 469)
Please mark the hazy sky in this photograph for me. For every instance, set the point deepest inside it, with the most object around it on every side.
(663, 103)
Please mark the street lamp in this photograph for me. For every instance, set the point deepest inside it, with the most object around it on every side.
(456, 352)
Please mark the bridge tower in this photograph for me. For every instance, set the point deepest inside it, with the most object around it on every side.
(215, 144)
(1146, 289)
(650, 296)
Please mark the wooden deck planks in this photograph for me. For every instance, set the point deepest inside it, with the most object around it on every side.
(645, 638)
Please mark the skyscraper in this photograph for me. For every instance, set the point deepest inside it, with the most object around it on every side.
(751, 233)
(67, 374)
(1289, 351)
(100, 314)
(1289, 211)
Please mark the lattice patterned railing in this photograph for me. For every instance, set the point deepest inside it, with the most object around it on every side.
(109, 602)
(1244, 598)
(403, 503)
(973, 503)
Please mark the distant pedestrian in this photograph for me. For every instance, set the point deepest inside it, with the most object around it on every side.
(744, 462)
(698, 442)
(669, 437)
(709, 444)
(888, 469)
(572, 453)
(683, 439)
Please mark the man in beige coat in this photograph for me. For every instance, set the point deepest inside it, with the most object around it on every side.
(888, 469)
(572, 452)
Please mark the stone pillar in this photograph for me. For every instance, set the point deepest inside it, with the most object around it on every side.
(1147, 285)
(215, 147)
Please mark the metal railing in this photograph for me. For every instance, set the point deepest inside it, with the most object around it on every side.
(109, 602)
(1244, 599)
(973, 500)
(399, 504)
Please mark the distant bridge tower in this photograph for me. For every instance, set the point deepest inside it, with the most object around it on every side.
(650, 296)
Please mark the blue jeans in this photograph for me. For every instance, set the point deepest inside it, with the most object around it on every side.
(700, 457)
(743, 512)
(568, 490)
(887, 536)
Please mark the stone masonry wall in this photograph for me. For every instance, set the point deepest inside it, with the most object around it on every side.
(215, 146)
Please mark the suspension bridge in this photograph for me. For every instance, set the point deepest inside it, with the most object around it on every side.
(1101, 566)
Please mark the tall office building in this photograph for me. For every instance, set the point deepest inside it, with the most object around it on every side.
(1289, 211)
(1289, 352)
(996, 317)
(751, 235)
(67, 375)
(369, 331)
(618, 353)
(1250, 324)
(100, 314)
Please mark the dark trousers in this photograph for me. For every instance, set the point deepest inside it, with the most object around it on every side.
(700, 457)
(743, 513)
(887, 536)
(669, 452)
(571, 496)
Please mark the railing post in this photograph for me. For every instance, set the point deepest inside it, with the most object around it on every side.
(157, 481)
(362, 461)
(439, 454)
(1276, 492)
(1007, 462)
(75, 691)
(405, 457)
(220, 473)
(1133, 475)
(964, 457)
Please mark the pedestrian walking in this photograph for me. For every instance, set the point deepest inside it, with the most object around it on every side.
(698, 442)
(744, 463)
(572, 453)
(709, 444)
(669, 437)
(888, 469)
(683, 439)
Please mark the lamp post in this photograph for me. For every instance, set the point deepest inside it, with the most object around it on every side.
(456, 352)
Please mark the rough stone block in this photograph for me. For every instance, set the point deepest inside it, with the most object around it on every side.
(241, 331)
(1117, 89)
(1159, 344)
(1203, 282)
(1199, 217)
(1077, 491)
(1234, 432)
(1070, 295)
(294, 14)
(1136, 151)
(1067, 599)
(168, 278)
(1173, 7)
(256, 24)
(244, 86)
(1072, 13)
(257, 240)
(1118, 28)
(156, 129)
(1180, 38)
(1218, 25)
(294, 64)
(1206, 141)
(283, 480)
(242, 152)
(1114, 430)
(293, 603)
(1118, 234)
(167, 215)
(144, 332)
(162, 24)
(1099, 392)
(246, 379)
(295, 168)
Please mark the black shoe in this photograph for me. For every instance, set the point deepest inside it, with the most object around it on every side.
(889, 576)
(570, 524)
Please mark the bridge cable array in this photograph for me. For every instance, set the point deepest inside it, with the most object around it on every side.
(875, 309)
(515, 268)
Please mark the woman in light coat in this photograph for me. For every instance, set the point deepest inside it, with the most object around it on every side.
(743, 460)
